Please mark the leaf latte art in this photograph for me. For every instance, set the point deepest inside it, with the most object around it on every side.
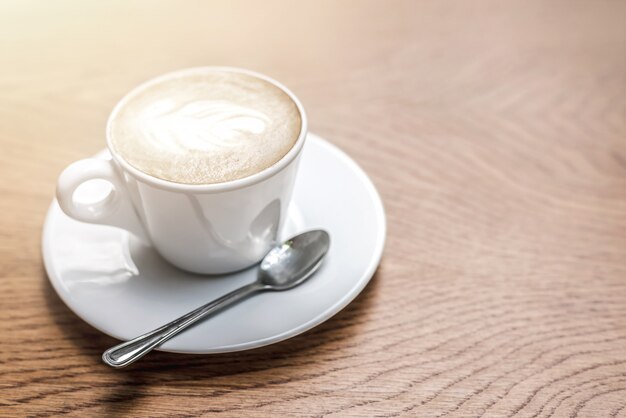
(202, 125)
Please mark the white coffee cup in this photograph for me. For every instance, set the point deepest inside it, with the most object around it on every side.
(209, 228)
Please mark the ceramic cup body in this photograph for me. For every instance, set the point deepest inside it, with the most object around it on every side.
(207, 229)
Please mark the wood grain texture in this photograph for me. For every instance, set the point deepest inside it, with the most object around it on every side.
(496, 134)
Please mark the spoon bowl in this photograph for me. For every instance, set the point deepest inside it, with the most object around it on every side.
(289, 264)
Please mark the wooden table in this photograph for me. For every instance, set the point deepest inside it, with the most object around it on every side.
(496, 134)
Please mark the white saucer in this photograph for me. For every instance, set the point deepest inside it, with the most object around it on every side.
(125, 289)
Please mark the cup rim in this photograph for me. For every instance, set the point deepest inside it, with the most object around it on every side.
(209, 187)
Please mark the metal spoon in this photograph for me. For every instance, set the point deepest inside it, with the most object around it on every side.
(285, 266)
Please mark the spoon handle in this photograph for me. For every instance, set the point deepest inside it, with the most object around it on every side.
(126, 353)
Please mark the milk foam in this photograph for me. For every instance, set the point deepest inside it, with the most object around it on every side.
(207, 126)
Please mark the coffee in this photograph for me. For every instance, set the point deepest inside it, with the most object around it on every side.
(205, 126)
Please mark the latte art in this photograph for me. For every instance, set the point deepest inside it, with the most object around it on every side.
(205, 126)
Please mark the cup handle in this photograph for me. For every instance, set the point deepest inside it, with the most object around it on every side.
(116, 209)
